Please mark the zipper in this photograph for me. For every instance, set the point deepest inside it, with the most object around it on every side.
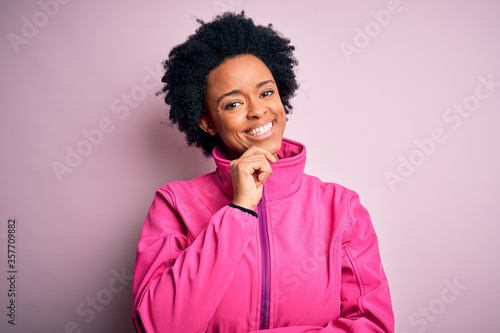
(265, 303)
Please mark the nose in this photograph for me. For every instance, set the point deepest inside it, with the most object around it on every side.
(256, 108)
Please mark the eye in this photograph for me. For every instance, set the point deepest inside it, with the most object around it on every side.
(232, 105)
(267, 93)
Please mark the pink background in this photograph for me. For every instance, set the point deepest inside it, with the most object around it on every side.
(69, 67)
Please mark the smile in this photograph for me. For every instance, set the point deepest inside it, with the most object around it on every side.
(260, 130)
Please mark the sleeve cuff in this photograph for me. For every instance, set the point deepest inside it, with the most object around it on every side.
(243, 209)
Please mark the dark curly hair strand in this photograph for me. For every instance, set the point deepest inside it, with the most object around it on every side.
(189, 63)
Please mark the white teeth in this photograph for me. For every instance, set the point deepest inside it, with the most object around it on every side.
(261, 130)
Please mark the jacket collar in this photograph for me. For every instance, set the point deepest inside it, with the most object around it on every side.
(287, 171)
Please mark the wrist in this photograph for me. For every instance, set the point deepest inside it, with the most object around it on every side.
(244, 209)
(244, 204)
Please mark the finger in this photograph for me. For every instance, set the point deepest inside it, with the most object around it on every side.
(254, 150)
(257, 167)
(260, 167)
(251, 163)
(264, 172)
(262, 177)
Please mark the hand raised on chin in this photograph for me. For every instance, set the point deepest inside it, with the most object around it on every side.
(249, 173)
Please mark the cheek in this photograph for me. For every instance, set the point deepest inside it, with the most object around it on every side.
(278, 105)
(230, 124)
(280, 111)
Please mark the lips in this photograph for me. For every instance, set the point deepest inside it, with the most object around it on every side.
(260, 130)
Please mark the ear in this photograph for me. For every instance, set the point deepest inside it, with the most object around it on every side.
(206, 125)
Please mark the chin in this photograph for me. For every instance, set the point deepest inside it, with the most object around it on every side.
(273, 147)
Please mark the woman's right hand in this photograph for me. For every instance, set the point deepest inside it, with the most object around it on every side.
(248, 173)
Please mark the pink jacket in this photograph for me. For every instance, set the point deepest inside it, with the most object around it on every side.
(308, 263)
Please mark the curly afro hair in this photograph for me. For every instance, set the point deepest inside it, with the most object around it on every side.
(189, 63)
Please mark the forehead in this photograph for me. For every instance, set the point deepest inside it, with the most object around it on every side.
(235, 73)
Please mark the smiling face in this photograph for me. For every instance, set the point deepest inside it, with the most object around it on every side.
(243, 106)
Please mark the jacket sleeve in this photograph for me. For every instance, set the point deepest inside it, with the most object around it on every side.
(179, 281)
(365, 298)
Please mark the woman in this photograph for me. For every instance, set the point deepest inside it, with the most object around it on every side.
(256, 244)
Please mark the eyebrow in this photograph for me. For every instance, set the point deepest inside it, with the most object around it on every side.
(237, 91)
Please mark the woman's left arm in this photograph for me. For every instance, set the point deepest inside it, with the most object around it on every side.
(365, 298)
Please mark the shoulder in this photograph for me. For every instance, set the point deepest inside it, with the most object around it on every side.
(344, 201)
(332, 190)
(346, 204)
(198, 181)
(184, 189)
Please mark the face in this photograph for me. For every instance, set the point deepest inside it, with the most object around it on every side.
(243, 106)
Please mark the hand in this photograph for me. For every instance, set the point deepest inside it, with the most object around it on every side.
(248, 173)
